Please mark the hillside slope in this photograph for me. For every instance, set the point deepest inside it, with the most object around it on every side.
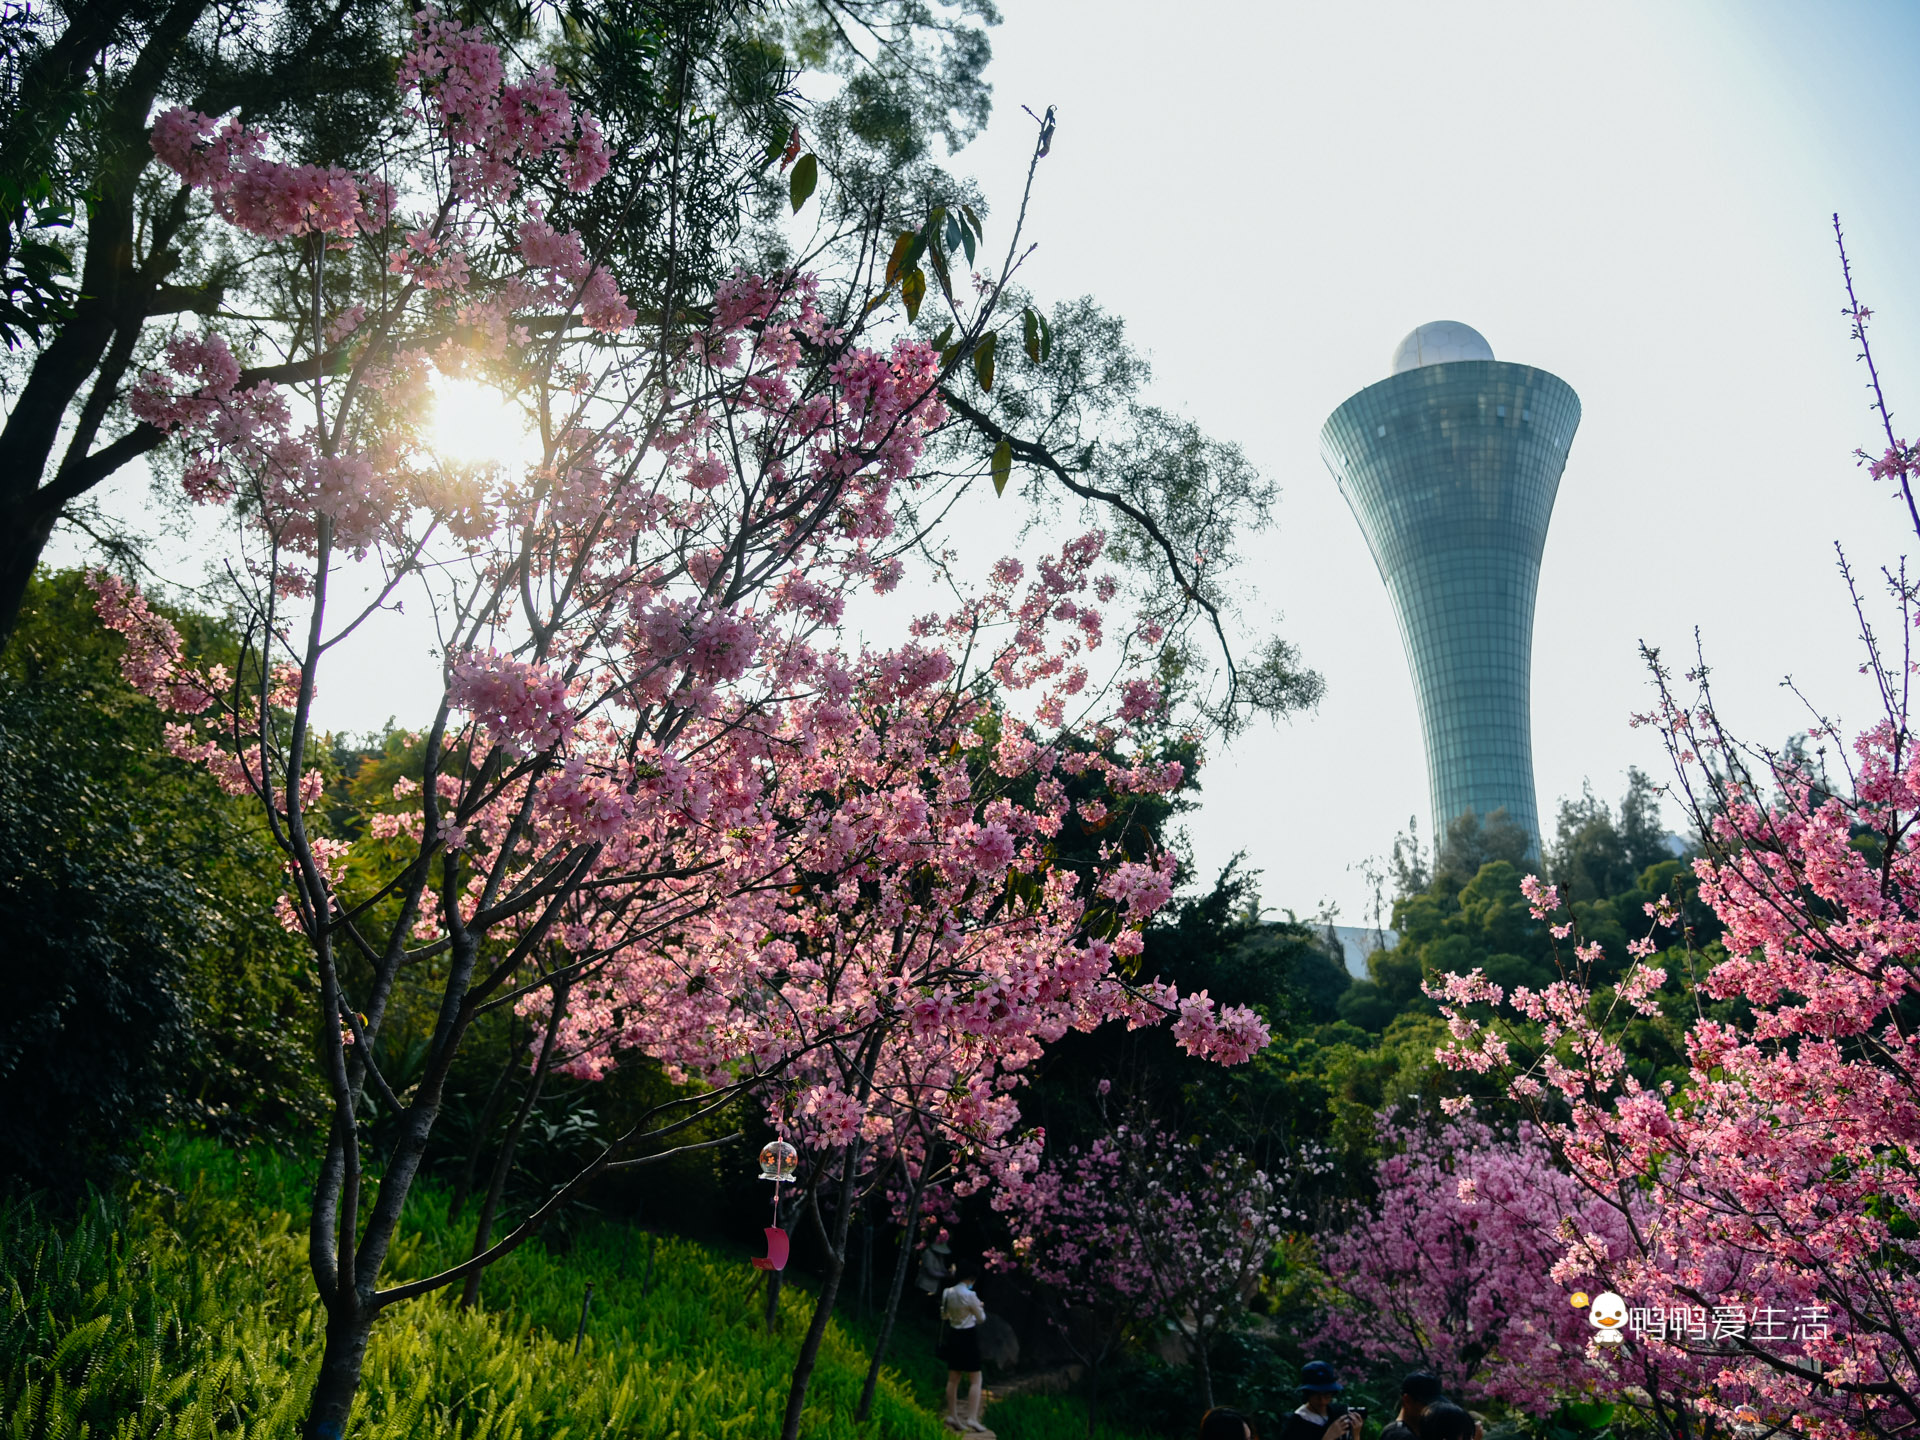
(185, 1310)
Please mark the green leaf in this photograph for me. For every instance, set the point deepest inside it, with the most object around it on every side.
(1046, 336)
(943, 339)
(955, 233)
(913, 289)
(1002, 461)
(940, 270)
(974, 221)
(914, 251)
(898, 262)
(1030, 333)
(947, 352)
(983, 359)
(806, 175)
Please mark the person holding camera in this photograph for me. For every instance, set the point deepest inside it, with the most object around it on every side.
(1320, 1416)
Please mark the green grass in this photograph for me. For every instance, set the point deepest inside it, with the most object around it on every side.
(184, 1309)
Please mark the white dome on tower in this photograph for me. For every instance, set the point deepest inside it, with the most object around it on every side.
(1439, 341)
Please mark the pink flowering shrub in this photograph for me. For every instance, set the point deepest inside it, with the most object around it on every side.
(1144, 1225)
(1454, 1267)
(1764, 1187)
(1074, 1239)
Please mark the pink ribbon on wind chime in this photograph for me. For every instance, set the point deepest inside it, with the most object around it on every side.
(778, 1162)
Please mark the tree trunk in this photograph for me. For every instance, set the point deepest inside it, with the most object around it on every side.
(346, 1257)
(463, 1189)
(866, 1260)
(1199, 1342)
(829, 1290)
(503, 1166)
(24, 531)
(116, 284)
(339, 1378)
(901, 1265)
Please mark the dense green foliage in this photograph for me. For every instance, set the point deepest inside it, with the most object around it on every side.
(145, 971)
(185, 1310)
(1466, 911)
(1343, 1049)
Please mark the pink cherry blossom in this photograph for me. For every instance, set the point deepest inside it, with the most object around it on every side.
(1450, 1268)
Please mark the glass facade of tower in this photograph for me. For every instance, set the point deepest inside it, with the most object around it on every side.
(1451, 470)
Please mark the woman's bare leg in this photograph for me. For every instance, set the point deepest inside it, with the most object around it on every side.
(953, 1396)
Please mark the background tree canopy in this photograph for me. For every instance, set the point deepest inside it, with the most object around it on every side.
(150, 977)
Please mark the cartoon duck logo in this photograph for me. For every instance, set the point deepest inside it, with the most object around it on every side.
(1608, 1315)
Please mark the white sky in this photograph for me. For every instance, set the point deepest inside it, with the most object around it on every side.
(1633, 196)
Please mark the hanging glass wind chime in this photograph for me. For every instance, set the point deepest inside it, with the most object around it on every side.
(778, 1162)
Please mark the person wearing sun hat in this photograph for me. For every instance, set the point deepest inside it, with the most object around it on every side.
(1315, 1420)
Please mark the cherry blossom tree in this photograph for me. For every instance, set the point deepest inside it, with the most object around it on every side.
(1189, 1231)
(662, 804)
(1449, 1268)
(924, 945)
(1770, 1201)
(1075, 1239)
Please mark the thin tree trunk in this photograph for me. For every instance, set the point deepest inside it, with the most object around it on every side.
(829, 1289)
(866, 1260)
(339, 1378)
(464, 1188)
(901, 1265)
(503, 1166)
(1199, 1343)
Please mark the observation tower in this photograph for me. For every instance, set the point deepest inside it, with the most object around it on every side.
(1451, 465)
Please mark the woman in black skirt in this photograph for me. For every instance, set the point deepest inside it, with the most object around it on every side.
(961, 1313)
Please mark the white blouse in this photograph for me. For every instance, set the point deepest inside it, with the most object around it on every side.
(962, 1308)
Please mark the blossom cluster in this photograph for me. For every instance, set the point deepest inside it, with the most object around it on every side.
(268, 198)
(491, 126)
(1456, 1266)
